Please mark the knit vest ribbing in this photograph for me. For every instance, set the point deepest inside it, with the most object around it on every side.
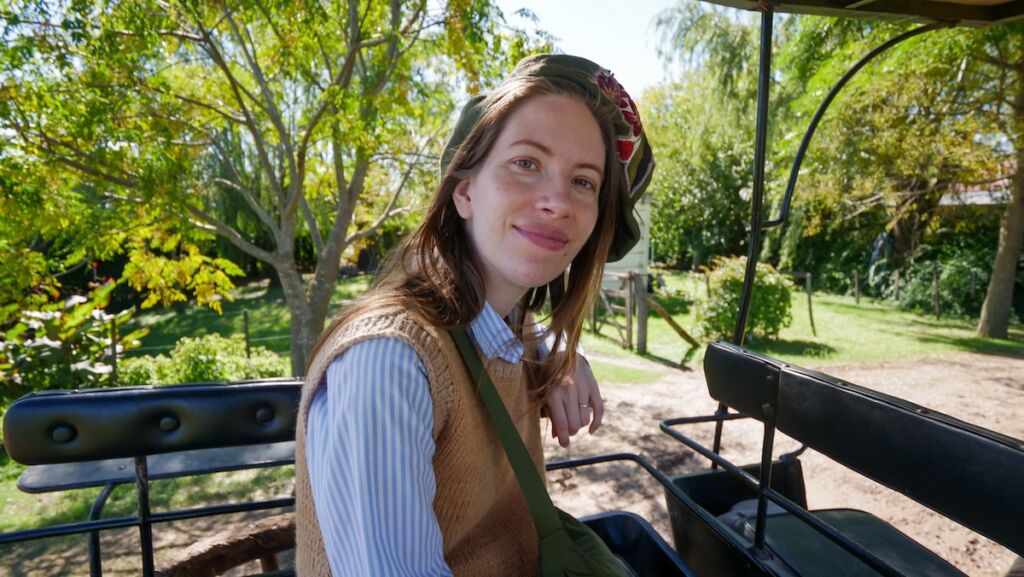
(484, 520)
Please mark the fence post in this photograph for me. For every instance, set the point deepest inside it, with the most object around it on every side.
(856, 286)
(630, 290)
(810, 309)
(935, 291)
(641, 313)
(245, 321)
(113, 350)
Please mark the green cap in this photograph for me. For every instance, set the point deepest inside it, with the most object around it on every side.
(634, 151)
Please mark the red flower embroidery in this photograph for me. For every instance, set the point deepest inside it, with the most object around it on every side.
(617, 94)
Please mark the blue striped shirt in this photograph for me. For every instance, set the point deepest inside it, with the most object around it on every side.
(370, 449)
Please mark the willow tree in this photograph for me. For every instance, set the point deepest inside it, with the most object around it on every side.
(309, 112)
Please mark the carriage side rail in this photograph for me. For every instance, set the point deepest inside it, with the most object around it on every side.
(955, 468)
(176, 426)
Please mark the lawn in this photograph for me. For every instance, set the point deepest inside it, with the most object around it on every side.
(847, 331)
(268, 317)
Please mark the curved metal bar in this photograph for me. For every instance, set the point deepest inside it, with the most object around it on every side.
(757, 195)
(795, 170)
(752, 483)
(672, 489)
(95, 562)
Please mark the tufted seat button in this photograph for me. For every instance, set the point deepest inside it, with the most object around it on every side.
(169, 423)
(63, 433)
(264, 415)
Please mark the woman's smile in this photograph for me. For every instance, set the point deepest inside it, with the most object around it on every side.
(543, 236)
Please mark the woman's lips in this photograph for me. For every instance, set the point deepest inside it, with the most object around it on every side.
(544, 237)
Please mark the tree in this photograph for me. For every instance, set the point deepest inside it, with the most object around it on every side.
(311, 113)
(889, 147)
(936, 112)
(704, 124)
(700, 209)
(1001, 49)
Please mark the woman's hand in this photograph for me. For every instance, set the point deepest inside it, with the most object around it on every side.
(574, 403)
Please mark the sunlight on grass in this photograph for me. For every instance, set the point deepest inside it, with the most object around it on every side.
(847, 332)
(269, 320)
(615, 373)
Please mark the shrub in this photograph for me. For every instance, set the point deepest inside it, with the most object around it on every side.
(60, 343)
(957, 297)
(203, 359)
(770, 307)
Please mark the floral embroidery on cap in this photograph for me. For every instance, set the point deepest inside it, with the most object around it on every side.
(617, 94)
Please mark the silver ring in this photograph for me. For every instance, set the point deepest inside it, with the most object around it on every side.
(584, 406)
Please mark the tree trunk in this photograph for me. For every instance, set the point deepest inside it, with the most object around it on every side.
(306, 322)
(995, 312)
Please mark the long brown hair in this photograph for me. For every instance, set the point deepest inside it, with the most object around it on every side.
(436, 272)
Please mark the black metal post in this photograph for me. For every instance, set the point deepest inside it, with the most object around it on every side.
(95, 560)
(145, 523)
(248, 338)
(770, 401)
(757, 201)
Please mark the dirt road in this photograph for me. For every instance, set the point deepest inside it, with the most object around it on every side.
(981, 389)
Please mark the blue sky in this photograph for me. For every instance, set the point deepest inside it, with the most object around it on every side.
(618, 35)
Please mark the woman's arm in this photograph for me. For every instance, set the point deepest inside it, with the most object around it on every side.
(576, 401)
(370, 449)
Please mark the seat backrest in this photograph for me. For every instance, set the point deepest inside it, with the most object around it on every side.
(94, 424)
(965, 472)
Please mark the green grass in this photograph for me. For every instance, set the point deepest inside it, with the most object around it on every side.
(269, 320)
(26, 511)
(610, 372)
(847, 332)
(872, 331)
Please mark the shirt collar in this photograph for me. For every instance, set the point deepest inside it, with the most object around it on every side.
(494, 337)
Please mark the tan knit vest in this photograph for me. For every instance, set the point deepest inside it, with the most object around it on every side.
(484, 519)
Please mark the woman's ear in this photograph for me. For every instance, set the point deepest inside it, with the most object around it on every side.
(463, 202)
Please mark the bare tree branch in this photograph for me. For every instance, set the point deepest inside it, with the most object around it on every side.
(210, 47)
(233, 236)
(314, 229)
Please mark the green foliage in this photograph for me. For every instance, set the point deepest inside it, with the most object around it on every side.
(961, 287)
(770, 308)
(925, 119)
(203, 359)
(291, 130)
(60, 345)
(699, 205)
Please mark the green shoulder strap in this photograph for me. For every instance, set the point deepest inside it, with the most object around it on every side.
(567, 547)
(545, 516)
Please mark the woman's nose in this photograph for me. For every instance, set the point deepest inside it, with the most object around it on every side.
(555, 197)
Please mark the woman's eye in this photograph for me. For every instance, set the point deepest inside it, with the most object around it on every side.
(585, 184)
(525, 163)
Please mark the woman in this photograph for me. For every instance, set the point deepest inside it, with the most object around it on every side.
(399, 470)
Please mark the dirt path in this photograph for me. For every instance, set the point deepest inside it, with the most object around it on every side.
(981, 389)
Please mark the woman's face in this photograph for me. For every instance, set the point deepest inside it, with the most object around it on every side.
(533, 203)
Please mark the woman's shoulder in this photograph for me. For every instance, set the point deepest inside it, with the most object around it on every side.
(388, 318)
